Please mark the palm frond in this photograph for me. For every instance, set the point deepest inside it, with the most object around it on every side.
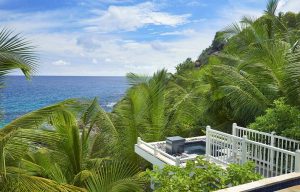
(272, 7)
(248, 20)
(35, 119)
(292, 77)
(16, 53)
(135, 79)
(233, 29)
(230, 86)
(116, 176)
(18, 180)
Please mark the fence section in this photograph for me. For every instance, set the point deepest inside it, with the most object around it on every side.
(238, 148)
(266, 138)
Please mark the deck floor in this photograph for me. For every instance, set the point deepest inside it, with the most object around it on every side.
(291, 189)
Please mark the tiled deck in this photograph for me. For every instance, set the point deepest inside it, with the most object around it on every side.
(155, 153)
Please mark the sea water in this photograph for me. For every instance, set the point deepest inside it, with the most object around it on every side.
(20, 96)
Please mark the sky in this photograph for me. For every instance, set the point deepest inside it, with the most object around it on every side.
(114, 37)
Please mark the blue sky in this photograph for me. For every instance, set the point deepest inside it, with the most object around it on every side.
(113, 37)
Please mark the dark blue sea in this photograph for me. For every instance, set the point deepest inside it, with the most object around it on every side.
(21, 96)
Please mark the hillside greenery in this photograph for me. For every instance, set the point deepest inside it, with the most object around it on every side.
(250, 75)
(283, 119)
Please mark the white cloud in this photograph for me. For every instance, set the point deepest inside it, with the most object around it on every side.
(182, 32)
(281, 4)
(236, 10)
(130, 18)
(289, 5)
(35, 22)
(236, 13)
(60, 63)
(92, 53)
(114, 1)
(108, 60)
(116, 56)
(196, 3)
(105, 53)
(95, 61)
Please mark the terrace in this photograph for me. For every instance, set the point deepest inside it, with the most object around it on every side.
(156, 152)
(273, 155)
(277, 158)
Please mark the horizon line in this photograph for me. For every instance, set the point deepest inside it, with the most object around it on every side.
(67, 76)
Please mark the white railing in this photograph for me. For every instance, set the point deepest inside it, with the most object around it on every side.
(222, 147)
(270, 161)
(238, 148)
(156, 152)
(273, 155)
(266, 138)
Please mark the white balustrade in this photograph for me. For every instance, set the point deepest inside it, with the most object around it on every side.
(271, 157)
(266, 138)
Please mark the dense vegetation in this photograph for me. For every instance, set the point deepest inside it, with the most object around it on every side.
(283, 119)
(201, 176)
(249, 75)
(249, 65)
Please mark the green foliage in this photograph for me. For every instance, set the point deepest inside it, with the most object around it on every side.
(258, 64)
(200, 175)
(188, 64)
(16, 53)
(291, 20)
(54, 149)
(217, 45)
(240, 174)
(281, 118)
(74, 145)
(116, 176)
(149, 110)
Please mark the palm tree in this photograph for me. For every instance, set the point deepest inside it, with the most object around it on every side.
(115, 176)
(256, 67)
(58, 144)
(23, 136)
(153, 108)
(16, 53)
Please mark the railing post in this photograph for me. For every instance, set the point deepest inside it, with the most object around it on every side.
(234, 142)
(234, 125)
(244, 149)
(272, 151)
(138, 140)
(155, 151)
(177, 163)
(273, 139)
(297, 161)
(207, 143)
(234, 149)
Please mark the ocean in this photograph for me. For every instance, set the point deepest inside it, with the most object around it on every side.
(20, 96)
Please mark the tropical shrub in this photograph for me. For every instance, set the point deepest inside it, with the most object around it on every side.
(188, 64)
(258, 64)
(56, 148)
(282, 118)
(200, 175)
